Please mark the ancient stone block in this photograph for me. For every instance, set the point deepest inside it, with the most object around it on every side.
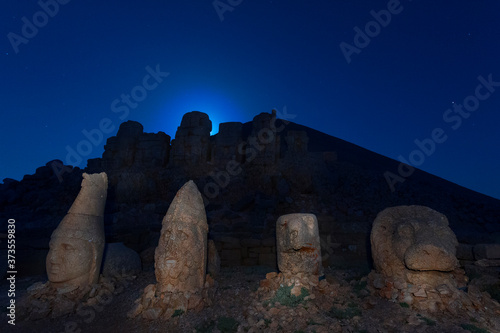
(227, 141)
(230, 242)
(465, 252)
(488, 263)
(487, 251)
(120, 150)
(251, 242)
(264, 134)
(152, 150)
(191, 145)
(250, 261)
(269, 242)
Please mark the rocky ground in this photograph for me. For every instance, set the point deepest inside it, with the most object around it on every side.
(342, 304)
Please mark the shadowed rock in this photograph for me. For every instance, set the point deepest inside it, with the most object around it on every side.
(226, 143)
(192, 139)
(119, 260)
(120, 150)
(265, 136)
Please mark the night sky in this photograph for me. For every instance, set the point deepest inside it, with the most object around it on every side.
(330, 65)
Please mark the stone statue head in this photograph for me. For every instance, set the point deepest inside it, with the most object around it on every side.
(181, 254)
(77, 244)
(411, 239)
(75, 253)
(298, 244)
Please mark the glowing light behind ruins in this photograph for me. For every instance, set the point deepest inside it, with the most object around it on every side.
(219, 107)
(258, 56)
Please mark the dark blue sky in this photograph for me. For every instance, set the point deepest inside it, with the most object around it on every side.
(70, 74)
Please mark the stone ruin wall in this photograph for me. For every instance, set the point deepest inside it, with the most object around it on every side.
(143, 177)
(193, 145)
(131, 149)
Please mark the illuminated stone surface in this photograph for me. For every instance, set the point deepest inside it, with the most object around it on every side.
(298, 244)
(77, 245)
(407, 240)
(180, 261)
(413, 250)
(74, 259)
(181, 255)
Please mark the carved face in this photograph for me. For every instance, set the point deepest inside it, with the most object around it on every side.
(174, 261)
(297, 232)
(298, 244)
(424, 246)
(178, 260)
(412, 239)
(69, 261)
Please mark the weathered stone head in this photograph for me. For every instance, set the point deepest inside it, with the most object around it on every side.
(410, 239)
(181, 255)
(180, 260)
(298, 244)
(76, 246)
(413, 251)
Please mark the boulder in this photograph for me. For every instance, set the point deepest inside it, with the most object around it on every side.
(119, 261)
